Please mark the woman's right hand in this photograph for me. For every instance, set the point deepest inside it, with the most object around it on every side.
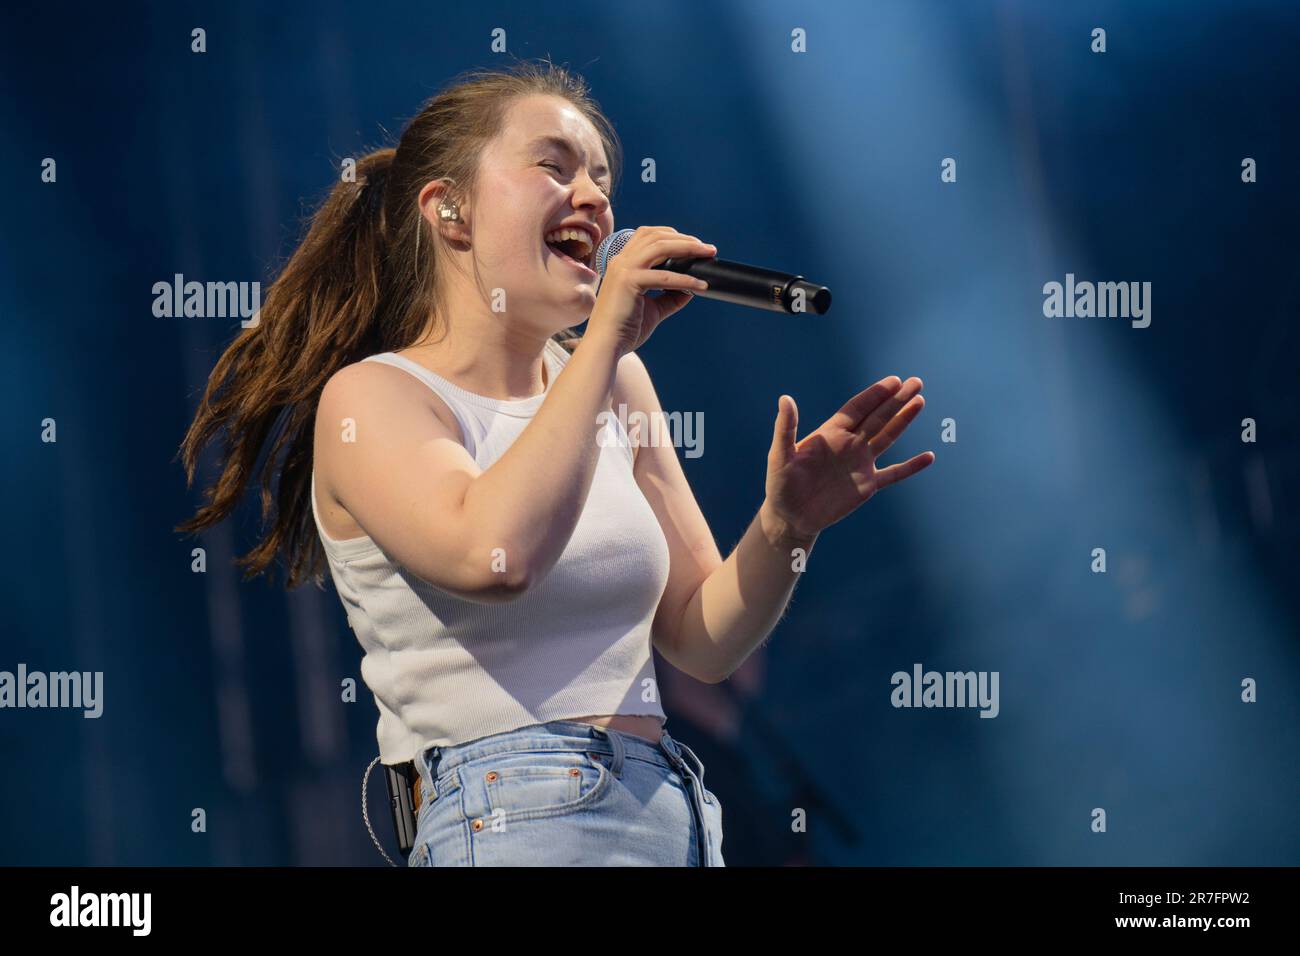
(623, 312)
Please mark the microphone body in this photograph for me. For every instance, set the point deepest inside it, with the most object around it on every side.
(734, 282)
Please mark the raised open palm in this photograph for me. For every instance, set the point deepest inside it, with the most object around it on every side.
(814, 482)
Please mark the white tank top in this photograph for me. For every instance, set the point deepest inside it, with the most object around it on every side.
(444, 670)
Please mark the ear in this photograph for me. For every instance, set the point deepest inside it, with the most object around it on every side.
(431, 196)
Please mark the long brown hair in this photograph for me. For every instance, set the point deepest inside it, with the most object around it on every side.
(362, 281)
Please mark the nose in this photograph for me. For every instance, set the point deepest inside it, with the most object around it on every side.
(588, 194)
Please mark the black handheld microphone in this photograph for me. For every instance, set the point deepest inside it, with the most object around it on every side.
(733, 281)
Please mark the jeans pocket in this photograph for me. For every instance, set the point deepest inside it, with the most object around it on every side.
(444, 789)
(526, 786)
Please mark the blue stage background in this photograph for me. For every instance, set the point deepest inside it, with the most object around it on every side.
(1119, 690)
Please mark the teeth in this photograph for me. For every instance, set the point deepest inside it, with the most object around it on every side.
(560, 235)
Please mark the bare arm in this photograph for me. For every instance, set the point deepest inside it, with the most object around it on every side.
(714, 613)
(737, 606)
(487, 535)
(406, 479)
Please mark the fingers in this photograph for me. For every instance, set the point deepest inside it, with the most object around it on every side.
(655, 244)
(886, 410)
(670, 303)
(865, 402)
(654, 233)
(652, 246)
(784, 431)
(881, 441)
(645, 279)
(894, 473)
(681, 241)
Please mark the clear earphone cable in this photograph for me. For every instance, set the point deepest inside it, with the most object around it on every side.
(365, 813)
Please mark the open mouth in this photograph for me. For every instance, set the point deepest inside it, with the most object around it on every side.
(572, 245)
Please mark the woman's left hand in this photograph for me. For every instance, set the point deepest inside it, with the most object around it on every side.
(813, 483)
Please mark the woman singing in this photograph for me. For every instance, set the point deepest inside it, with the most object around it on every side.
(506, 553)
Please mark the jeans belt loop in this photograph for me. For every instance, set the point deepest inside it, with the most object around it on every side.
(675, 756)
(429, 791)
(695, 788)
(674, 751)
(620, 749)
(699, 770)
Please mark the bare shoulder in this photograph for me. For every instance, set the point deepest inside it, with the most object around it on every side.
(367, 400)
(634, 389)
(380, 389)
(632, 384)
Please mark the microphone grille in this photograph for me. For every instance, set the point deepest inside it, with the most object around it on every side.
(609, 247)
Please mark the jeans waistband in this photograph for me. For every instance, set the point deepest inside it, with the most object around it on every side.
(559, 735)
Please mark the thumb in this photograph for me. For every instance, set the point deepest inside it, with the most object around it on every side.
(783, 433)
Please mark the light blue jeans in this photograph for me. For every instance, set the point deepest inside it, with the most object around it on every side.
(565, 793)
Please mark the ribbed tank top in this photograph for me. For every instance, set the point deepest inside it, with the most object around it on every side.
(444, 671)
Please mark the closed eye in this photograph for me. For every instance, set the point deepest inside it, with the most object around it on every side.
(558, 170)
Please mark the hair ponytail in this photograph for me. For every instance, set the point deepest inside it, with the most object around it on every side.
(361, 282)
(320, 315)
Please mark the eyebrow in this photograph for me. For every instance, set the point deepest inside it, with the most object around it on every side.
(564, 146)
